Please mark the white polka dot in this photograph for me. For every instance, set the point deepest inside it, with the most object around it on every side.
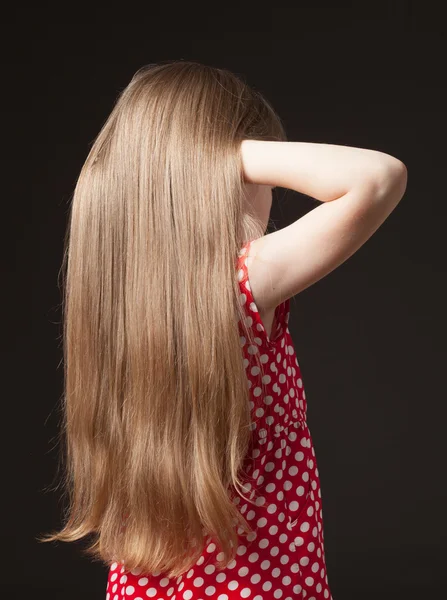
(233, 585)
(309, 581)
(130, 590)
(187, 595)
(222, 597)
(151, 592)
(315, 567)
(267, 585)
(255, 578)
(198, 581)
(262, 522)
(113, 566)
(304, 561)
(243, 571)
(276, 572)
(265, 564)
(263, 543)
(253, 557)
(114, 576)
(210, 590)
(299, 541)
(245, 592)
(294, 505)
(300, 490)
(305, 526)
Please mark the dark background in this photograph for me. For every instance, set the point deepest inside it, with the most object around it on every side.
(370, 337)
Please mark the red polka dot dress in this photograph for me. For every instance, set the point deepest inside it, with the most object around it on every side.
(284, 556)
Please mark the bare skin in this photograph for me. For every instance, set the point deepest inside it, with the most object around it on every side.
(358, 188)
(260, 198)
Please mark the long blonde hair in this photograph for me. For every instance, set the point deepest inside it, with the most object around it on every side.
(156, 416)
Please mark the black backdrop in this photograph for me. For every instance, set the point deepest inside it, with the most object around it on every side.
(370, 337)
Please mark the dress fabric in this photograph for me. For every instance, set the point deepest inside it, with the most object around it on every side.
(284, 557)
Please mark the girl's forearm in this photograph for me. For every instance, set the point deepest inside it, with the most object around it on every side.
(323, 171)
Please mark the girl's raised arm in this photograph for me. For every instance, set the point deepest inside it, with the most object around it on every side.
(359, 188)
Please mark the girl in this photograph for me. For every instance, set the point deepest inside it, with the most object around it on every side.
(189, 458)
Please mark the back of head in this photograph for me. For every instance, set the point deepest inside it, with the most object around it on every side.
(156, 409)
